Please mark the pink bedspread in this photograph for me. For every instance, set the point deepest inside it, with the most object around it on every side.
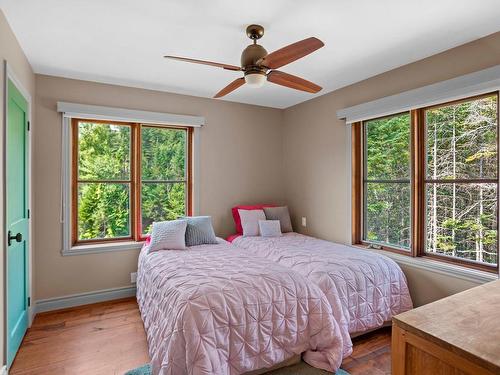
(215, 309)
(368, 288)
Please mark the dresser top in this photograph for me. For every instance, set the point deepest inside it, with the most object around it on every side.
(467, 323)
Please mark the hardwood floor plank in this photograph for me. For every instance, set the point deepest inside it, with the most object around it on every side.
(371, 354)
(108, 339)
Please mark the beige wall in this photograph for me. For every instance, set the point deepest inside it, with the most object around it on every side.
(240, 162)
(10, 51)
(316, 148)
(428, 286)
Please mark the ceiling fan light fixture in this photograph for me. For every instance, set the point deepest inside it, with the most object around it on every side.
(255, 80)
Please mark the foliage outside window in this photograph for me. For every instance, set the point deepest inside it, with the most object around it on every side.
(125, 177)
(461, 180)
(429, 184)
(387, 181)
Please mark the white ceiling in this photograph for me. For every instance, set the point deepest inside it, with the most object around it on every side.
(123, 41)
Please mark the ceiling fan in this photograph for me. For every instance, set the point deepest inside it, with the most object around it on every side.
(257, 65)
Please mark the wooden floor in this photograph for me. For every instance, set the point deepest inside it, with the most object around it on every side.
(108, 339)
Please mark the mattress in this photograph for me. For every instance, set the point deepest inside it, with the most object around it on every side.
(216, 309)
(367, 288)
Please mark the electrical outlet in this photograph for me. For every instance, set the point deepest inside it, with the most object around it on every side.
(304, 221)
(133, 277)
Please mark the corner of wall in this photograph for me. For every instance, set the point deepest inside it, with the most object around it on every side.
(282, 145)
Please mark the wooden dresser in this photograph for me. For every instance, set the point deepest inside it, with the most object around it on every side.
(457, 335)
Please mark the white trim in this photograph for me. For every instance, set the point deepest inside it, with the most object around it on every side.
(66, 184)
(348, 137)
(102, 248)
(81, 299)
(65, 215)
(476, 83)
(12, 76)
(481, 82)
(442, 268)
(4, 371)
(129, 115)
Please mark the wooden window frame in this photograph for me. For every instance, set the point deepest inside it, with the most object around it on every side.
(418, 187)
(134, 182)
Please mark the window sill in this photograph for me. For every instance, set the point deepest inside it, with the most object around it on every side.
(443, 268)
(102, 248)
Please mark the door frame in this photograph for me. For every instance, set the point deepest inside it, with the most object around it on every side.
(8, 74)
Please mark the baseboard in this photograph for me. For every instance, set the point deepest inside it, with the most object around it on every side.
(3, 371)
(31, 315)
(73, 300)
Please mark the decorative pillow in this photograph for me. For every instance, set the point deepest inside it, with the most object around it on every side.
(250, 221)
(236, 215)
(199, 231)
(270, 228)
(281, 214)
(168, 235)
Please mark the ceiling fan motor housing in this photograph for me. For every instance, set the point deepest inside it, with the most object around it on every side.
(250, 56)
(254, 52)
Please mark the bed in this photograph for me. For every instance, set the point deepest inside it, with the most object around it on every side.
(218, 309)
(367, 288)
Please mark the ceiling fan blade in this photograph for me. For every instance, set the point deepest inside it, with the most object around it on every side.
(294, 82)
(231, 87)
(203, 62)
(290, 53)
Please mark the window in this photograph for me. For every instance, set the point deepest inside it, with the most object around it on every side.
(164, 175)
(462, 179)
(386, 187)
(425, 182)
(125, 176)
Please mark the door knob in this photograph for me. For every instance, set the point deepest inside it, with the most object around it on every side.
(18, 237)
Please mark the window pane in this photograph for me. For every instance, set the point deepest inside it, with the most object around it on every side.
(162, 201)
(103, 210)
(163, 153)
(104, 151)
(387, 213)
(388, 148)
(461, 221)
(462, 140)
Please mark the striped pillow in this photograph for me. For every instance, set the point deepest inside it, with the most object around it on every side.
(199, 231)
(168, 235)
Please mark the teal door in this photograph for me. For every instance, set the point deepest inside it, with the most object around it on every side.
(17, 216)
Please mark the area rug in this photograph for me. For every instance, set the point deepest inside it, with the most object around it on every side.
(301, 368)
(143, 370)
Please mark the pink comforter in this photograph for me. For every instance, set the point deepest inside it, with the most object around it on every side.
(215, 309)
(368, 288)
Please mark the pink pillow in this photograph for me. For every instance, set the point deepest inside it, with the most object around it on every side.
(236, 215)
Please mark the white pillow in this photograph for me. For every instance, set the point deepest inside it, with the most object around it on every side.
(168, 235)
(250, 221)
(270, 228)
